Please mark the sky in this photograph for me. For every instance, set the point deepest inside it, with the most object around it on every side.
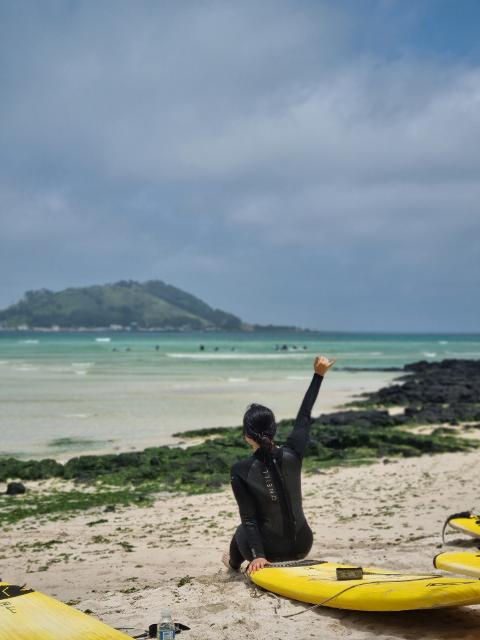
(314, 163)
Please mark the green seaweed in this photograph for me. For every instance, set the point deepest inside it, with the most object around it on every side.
(135, 477)
(61, 504)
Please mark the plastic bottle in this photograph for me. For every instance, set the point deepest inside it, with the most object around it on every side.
(166, 627)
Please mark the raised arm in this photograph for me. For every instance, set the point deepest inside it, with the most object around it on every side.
(298, 439)
(248, 515)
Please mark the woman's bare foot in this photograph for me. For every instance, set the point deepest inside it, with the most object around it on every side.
(226, 561)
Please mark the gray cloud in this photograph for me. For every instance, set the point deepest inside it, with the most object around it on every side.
(258, 154)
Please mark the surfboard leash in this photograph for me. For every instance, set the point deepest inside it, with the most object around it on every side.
(460, 514)
(352, 586)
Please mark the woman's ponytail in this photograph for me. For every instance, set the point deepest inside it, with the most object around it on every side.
(266, 444)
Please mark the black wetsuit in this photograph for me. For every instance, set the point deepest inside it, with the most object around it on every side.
(269, 496)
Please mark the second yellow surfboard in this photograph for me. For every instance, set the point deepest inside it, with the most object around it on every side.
(465, 563)
(470, 525)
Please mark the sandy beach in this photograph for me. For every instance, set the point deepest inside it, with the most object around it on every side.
(126, 565)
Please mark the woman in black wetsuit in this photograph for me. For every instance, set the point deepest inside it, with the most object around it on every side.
(267, 486)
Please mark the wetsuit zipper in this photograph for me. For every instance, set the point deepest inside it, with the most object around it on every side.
(287, 511)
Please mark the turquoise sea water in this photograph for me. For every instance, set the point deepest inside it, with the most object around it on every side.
(65, 393)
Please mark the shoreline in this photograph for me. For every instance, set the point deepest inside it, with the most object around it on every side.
(98, 429)
(386, 423)
(273, 329)
(135, 391)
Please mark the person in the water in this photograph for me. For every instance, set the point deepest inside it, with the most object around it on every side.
(267, 486)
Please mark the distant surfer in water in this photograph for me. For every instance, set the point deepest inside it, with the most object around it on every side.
(267, 486)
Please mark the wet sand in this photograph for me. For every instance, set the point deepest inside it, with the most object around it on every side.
(58, 416)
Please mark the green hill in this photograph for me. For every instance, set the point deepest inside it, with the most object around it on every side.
(148, 305)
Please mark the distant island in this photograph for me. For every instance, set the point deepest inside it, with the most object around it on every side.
(124, 305)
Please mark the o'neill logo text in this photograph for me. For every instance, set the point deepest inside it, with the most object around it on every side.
(270, 486)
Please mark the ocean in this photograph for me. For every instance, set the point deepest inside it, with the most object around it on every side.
(62, 394)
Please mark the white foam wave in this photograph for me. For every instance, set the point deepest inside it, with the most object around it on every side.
(429, 354)
(298, 377)
(443, 342)
(29, 341)
(103, 339)
(238, 356)
(25, 367)
(358, 354)
(238, 379)
(82, 365)
(78, 416)
(464, 354)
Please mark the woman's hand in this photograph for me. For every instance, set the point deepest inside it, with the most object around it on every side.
(256, 564)
(323, 364)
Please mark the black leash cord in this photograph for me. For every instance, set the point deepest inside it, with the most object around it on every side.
(352, 586)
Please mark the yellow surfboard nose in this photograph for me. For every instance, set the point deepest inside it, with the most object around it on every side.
(26, 614)
(465, 563)
(470, 525)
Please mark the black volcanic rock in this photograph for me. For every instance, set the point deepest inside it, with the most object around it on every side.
(15, 489)
(455, 383)
(363, 418)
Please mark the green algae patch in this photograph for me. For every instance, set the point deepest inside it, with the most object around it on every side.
(64, 504)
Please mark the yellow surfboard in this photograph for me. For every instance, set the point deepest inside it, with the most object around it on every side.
(29, 615)
(465, 563)
(469, 525)
(378, 590)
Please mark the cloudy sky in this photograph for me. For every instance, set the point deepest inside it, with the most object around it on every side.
(311, 163)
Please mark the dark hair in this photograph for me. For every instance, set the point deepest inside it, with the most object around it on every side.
(259, 424)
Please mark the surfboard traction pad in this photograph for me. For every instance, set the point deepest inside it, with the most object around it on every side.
(295, 563)
(26, 614)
